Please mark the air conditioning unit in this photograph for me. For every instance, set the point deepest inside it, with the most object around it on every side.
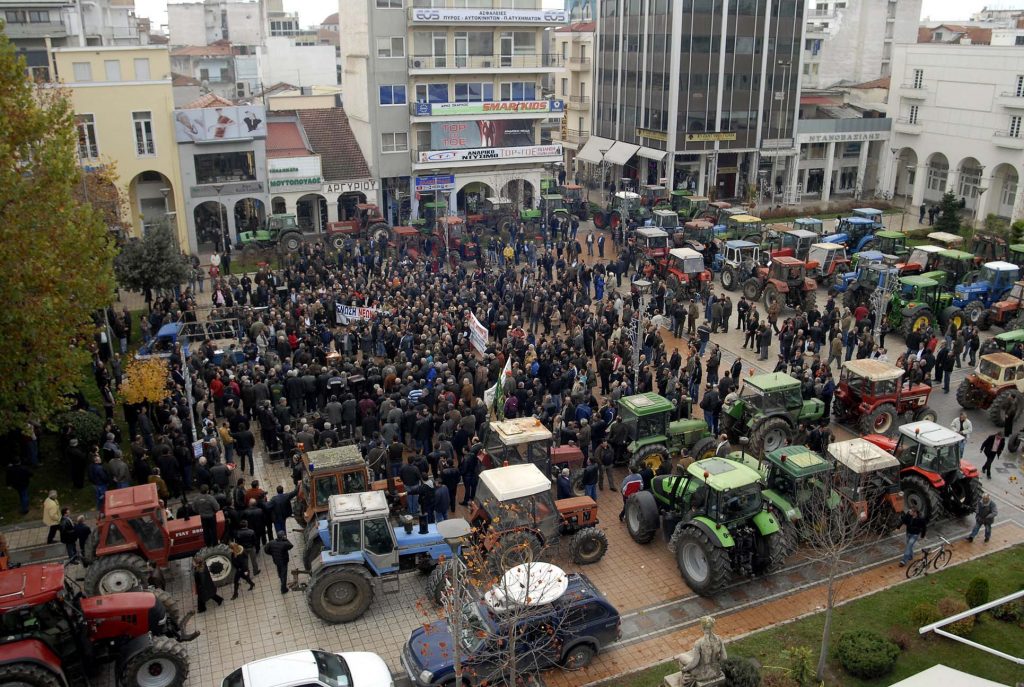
(486, 64)
(418, 64)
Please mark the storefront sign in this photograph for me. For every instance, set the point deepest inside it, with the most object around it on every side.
(220, 123)
(481, 134)
(435, 183)
(477, 334)
(484, 16)
(847, 137)
(711, 136)
(501, 107)
(295, 173)
(652, 135)
(346, 313)
(354, 186)
(236, 189)
(475, 154)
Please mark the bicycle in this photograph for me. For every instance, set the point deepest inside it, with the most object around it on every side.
(937, 558)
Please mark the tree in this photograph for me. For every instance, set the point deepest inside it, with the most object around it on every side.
(949, 214)
(98, 187)
(1017, 231)
(56, 257)
(152, 262)
(145, 381)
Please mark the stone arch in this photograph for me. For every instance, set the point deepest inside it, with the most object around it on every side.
(311, 212)
(969, 174)
(906, 172)
(151, 197)
(1002, 192)
(278, 205)
(470, 198)
(936, 176)
(250, 214)
(210, 219)
(521, 192)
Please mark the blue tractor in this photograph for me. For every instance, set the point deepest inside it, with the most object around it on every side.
(872, 214)
(361, 545)
(993, 282)
(856, 233)
(869, 278)
(843, 280)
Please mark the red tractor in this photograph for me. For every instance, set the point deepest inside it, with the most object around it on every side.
(871, 397)
(132, 532)
(369, 223)
(784, 281)
(53, 636)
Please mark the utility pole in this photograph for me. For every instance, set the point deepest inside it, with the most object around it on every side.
(643, 287)
(881, 297)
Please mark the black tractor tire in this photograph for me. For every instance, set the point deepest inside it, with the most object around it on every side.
(925, 414)
(772, 295)
(218, 561)
(311, 550)
(853, 297)
(963, 496)
(882, 420)
(787, 540)
(588, 546)
(512, 549)
(651, 454)
(600, 220)
(576, 479)
(911, 316)
(440, 579)
(770, 551)
(919, 494)
(751, 289)
(730, 279)
(340, 594)
(1015, 323)
(810, 301)
(292, 241)
(954, 315)
(122, 572)
(771, 434)
(91, 543)
(704, 448)
(379, 232)
(164, 663)
(985, 319)
(299, 510)
(703, 564)
(170, 604)
(974, 312)
(642, 517)
(968, 396)
(28, 675)
(1001, 404)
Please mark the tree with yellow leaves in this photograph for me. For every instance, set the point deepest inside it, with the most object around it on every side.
(145, 381)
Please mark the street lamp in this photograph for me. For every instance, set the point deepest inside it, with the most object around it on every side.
(604, 173)
(454, 531)
(642, 287)
(977, 204)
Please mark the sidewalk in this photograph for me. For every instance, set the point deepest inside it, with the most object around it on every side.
(646, 651)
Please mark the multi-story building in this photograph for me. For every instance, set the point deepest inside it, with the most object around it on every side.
(242, 22)
(701, 93)
(450, 94)
(122, 101)
(958, 125)
(850, 41)
(574, 45)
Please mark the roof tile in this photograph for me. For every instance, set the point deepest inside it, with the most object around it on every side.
(331, 137)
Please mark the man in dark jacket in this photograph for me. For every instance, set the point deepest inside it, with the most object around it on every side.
(563, 485)
(411, 477)
(254, 515)
(278, 552)
(18, 478)
(244, 443)
(206, 508)
(917, 527)
(281, 506)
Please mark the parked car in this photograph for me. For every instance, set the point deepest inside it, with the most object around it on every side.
(310, 668)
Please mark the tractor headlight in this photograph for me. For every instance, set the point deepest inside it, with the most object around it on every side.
(426, 676)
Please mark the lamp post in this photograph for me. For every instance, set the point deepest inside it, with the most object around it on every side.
(642, 287)
(977, 204)
(454, 532)
(604, 173)
(221, 216)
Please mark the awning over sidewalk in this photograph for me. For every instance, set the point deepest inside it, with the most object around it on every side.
(621, 152)
(651, 154)
(592, 149)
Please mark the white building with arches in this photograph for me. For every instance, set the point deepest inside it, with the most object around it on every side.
(957, 113)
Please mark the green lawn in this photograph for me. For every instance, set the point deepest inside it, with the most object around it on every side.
(890, 609)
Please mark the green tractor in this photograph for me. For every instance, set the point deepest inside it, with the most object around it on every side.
(279, 230)
(915, 304)
(553, 205)
(768, 411)
(687, 205)
(654, 438)
(715, 520)
(956, 267)
(625, 205)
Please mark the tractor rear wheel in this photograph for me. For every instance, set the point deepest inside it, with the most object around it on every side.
(218, 560)
(788, 537)
(985, 319)
(963, 495)
(340, 594)
(299, 510)
(772, 295)
(164, 663)
(881, 420)
(769, 435)
(642, 517)
(770, 550)
(703, 563)
(968, 396)
(122, 572)
(974, 312)
(512, 549)
(925, 414)
(27, 675)
(600, 220)
(380, 232)
(587, 546)
(291, 241)
(89, 552)
(955, 316)
(919, 317)
(576, 479)
(922, 496)
(704, 448)
(652, 455)
(751, 289)
(1001, 406)
(170, 605)
(440, 580)
(729, 279)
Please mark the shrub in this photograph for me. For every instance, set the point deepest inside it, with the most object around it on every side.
(977, 592)
(866, 654)
(950, 606)
(741, 672)
(900, 637)
(800, 661)
(777, 678)
(88, 426)
(1011, 612)
(923, 614)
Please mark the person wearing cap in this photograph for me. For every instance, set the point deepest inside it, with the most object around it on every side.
(563, 485)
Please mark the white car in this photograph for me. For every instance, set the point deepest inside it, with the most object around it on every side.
(311, 668)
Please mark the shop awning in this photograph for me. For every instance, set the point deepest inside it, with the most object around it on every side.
(651, 154)
(592, 149)
(621, 152)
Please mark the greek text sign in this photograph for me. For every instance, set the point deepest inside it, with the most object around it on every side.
(474, 154)
(485, 16)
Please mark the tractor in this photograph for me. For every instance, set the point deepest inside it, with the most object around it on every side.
(858, 286)
(742, 226)
(497, 214)
(653, 243)
(131, 532)
(740, 260)
(793, 243)
(552, 205)
(368, 223)
(698, 234)
(1017, 255)
(872, 214)
(921, 259)
(655, 196)
(717, 211)
(278, 230)
(1008, 312)
(996, 386)
(784, 281)
(625, 206)
(915, 304)
(666, 220)
(871, 397)
(687, 206)
(575, 202)
(526, 440)
(955, 267)
(686, 267)
(933, 473)
(856, 233)
(868, 480)
(892, 243)
(989, 248)
(54, 636)
(1010, 341)
(994, 281)
(715, 521)
(809, 224)
(654, 438)
(768, 411)
(946, 240)
(826, 260)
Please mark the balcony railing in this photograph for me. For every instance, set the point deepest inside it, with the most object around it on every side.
(1011, 99)
(454, 62)
(904, 125)
(579, 63)
(1008, 139)
(579, 102)
(574, 136)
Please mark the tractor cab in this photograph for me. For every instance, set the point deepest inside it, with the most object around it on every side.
(857, 233)
(743, 226)
(688, 206)
(329, 471)
(665, 220)
(626, 202)
(795, 243)
(526, 440)
(164, 344)
(280, 229)
(431, 211)
(515, 497)
(798, 474)
(809, 224)
(572, 192)
(652, 242)
(868, 479)
(767, 411)
(548, 185)
(655, 195)
(687, 265)
(922, 259)
(958, 265)
(791, 271)
(994, 280)
(697, 234)
(947, 240)
(498, 212)
(739, 260)
(872, 397)
(575, 201)
(872, 214)
(892, 243)
(1017, 255)
(826, 259)
(989, 247)
(1008, 312)
(553, 204)
(718, 210)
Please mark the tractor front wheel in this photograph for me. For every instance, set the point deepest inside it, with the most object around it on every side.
(642, 517)
(751, 289)
(122, 572)
(770, 550)
(587, 546)
(729, 279)
(28, 675)
(769, 435)
(788, 538)
(810, 301)
(652, 455)
(974, 312)
(440, 580)
(881, 420)
(218, 561)
(703, 563)
(1003, 404)
(314, 546)
(291, 242)
(340, 594)
(968, 396)
(954, 316)
(299, 510)
(921, 496)
(925, 414)
(917, 318)
(164, 663)
(704, 448)
(771, 296)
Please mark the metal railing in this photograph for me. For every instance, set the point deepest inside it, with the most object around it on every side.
(579, 63)
(575, 136)
(533, 61)
(577, 102)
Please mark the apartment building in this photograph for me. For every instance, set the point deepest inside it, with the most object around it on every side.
(574, 44)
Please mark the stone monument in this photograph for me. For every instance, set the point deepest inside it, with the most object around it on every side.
(702, 665)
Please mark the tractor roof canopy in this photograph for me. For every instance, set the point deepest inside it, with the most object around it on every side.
(807, 222)
(357, 506)
(788, 261)
(930, 433)
(918, 281)
(520, 430)
(646, 404)
(1002, 359)
(954, 254)
(857, 220)
(861, 456)
(552, 196)
(627, 195)
(1000, 266)
(946, 238)
(721, 474)
(798, 461)
(514, 481)
(496, 200)
(828, 246)
(740, 244)
(335, 457)
(867, 212)
(30, 585)
(873, 370)
(887, 234)
(773, 381)
(130, 501)
(651, 233)
(745, 219)
(1010, 337)
(801, 233)
(665, 213)
(699, 224)
(685, 253)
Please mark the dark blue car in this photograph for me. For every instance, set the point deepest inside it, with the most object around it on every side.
(567, 632)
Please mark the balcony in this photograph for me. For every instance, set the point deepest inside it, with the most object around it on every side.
(573, 136)
(53, 29)
(579, 102)
(579, 64)
(484, 64)
(913, 91)
(1005, 139)
(903, 125)
(1011, 100)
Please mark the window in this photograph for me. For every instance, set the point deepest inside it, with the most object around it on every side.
(432, 93)
(39, 16)
(397, 142)
(519, 90)
(346, 537)
(1019, 88)
(565, 86)
(389, 4)
(565, 51)
(112, 69)
(148, 532)
(83, 71)
(87, 148)
(474, 92)
(144, 144)
(1015, 126)
(1018, 40)
(912, 116)
(392, 94)
(918, 81)
(215, 168)
(141, 68)
(204, 74)
(15, 16)
(393, 46)
(379, 536)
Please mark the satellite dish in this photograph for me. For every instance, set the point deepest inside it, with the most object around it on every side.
(529, 584)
